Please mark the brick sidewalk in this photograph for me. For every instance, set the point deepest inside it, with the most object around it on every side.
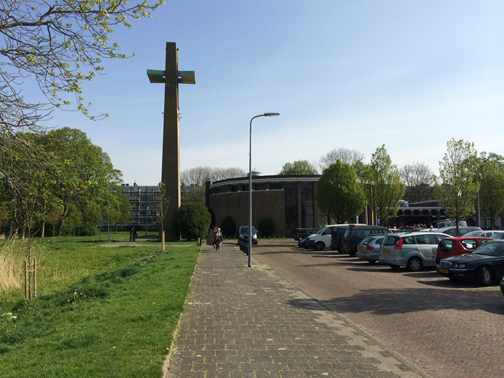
(249, 322)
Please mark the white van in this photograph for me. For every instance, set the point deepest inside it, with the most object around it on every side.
(322, 238)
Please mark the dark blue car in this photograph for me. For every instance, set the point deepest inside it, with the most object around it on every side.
(485, 264)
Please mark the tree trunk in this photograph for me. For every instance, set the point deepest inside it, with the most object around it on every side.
(42, 228)
(60, 227)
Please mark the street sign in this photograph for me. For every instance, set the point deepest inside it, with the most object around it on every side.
(100, 219)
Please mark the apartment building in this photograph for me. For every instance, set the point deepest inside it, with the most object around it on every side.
(143, 200)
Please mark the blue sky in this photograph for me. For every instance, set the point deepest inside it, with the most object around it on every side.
(343, 74)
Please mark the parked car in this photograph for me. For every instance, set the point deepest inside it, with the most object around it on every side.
(369, 248)
(301, 233)
(355, 233)
(321, 239)
(493, 234)
(337, 237)
(484, 265)
(502, 286)
(414, 250)
(302, 243)
(455, 246)
(243, 235)
(452, 231)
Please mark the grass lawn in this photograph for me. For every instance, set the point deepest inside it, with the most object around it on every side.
(100, 311)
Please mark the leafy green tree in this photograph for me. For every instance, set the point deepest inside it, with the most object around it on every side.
(266, 227)
(74, 219)
(491, 178)
(192, 220)
(54, 217)
(456, 188)
(228, 226)
(57, 46)
(386, 189)
(339, 194)
(90, 216)
(85, 173)
(299, 167)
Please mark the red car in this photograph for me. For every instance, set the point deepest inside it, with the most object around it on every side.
(449, 247)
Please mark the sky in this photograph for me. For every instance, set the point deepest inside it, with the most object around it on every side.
(411, 75)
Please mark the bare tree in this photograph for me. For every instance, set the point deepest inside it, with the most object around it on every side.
(419, 180)
(343, 154)
(198, 176)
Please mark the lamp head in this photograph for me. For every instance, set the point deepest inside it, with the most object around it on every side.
(271, 114)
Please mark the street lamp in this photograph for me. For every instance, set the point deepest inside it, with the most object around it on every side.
(108, 221)
(250, 186)
(477, 174)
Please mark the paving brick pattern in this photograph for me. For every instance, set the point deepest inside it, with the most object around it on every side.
(249, 322)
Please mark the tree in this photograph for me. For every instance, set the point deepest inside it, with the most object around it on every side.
(419, 180)
(491, 178)
(192, 220)
(74, 219)
(299, 167)
(343, 154)
(90, 216)
(339, 194)
(228, 226)
(85, 172)
(52, 45)
(54, 217)
(199, 175)
(456, 188)
(386, 189)
(266, 227)
(162, 206)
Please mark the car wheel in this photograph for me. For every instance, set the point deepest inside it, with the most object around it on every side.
(414, 264)
(319, 246)
(484, 276)
(394, 267)
(372, 261)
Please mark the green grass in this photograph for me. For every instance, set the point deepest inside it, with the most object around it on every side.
(100, 311)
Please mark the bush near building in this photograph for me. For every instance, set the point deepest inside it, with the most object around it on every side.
(228, 227)
(192, 220)
(266, 227)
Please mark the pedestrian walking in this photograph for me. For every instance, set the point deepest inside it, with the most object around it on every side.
(218, 240)
(211, 236)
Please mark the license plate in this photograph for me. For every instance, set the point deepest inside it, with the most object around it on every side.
(385, 251)
(361, 249)
(445, 271)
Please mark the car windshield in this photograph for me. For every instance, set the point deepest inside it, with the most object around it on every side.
(321, 230)
(244, 230)
(490, 249)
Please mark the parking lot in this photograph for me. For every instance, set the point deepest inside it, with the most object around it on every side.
(444, 328)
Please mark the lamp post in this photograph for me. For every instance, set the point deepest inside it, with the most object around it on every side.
(250, 186)
(108, 221)
(477, 174)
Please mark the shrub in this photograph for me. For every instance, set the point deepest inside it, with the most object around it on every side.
(192, 220)
(228, 226)
(266, 227)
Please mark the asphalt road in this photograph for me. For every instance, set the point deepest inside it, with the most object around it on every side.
(446, 329)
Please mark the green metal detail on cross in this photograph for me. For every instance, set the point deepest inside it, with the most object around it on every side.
(184, 77)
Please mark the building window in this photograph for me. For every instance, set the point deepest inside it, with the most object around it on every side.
(245, 187)
(260, 187)
(275, 186)
(234, 188)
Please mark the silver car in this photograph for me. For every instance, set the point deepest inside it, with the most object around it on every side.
(494, 234)
(369, 248)
(414, 250)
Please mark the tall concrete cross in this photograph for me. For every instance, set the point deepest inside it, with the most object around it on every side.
(170, 171)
